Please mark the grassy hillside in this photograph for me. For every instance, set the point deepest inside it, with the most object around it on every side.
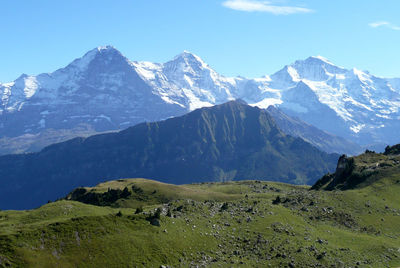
(232, 224)
(144, 192)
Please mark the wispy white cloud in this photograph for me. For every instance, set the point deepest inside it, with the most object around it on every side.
(386, 24)
(264, 6)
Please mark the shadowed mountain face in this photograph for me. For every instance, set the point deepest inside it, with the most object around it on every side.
(322, 140)
(226, 142)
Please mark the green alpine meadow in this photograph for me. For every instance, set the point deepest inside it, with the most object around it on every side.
(354, 222)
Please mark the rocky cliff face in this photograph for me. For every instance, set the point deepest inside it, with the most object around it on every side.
(363, 170)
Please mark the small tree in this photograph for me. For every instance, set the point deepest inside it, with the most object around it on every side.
(224, 206)
(169, 214)
(139, 210)
(125, 193)
(277, 200)
(157, 214)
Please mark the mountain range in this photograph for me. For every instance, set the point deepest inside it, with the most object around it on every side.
(105, 91)
(231, 141)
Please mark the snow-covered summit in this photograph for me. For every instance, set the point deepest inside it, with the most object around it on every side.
(106, 48)
(186, 80)
(188, 58)
(186, 63)
(315, 69)
(82, 63)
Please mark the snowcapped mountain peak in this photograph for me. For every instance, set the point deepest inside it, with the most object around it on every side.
(187, 58)
(108, 51)
(316, 61)
(317, 68)
(103, 55)
(105, 48)
(104, 51)
(319, 59)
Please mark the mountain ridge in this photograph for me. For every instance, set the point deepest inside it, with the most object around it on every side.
(227, 142)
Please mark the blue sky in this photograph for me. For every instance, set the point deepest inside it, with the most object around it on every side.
(236, 37)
